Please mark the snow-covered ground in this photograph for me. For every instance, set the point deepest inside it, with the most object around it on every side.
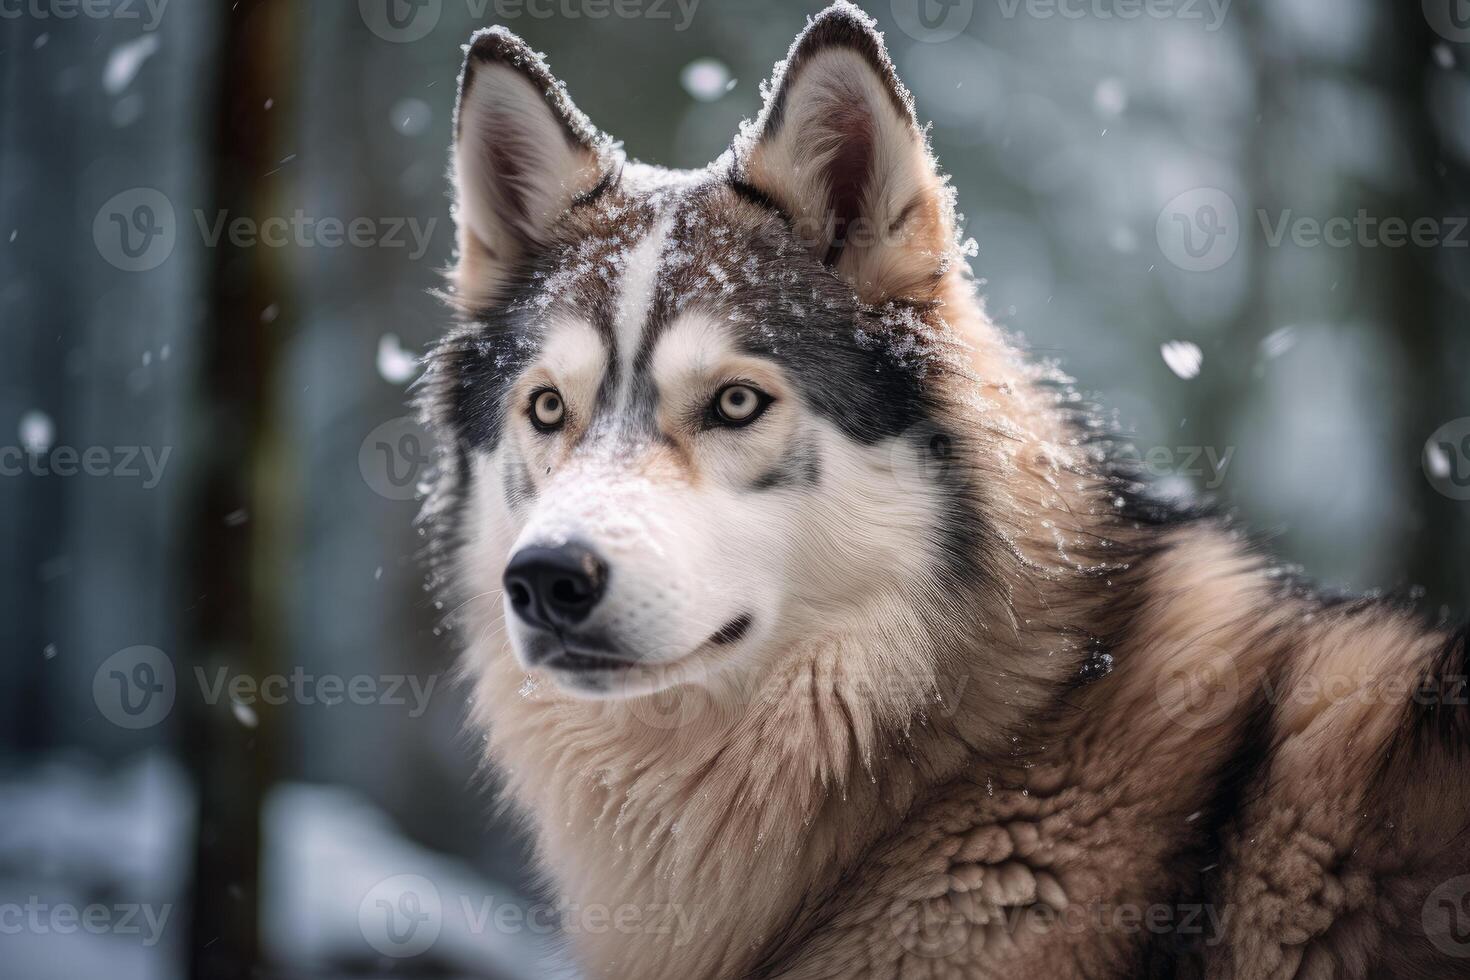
(94, 873)
(93, 864)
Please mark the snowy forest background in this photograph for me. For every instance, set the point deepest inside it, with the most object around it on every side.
(1320, 391)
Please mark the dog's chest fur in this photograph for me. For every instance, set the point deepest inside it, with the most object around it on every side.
(1244, 828)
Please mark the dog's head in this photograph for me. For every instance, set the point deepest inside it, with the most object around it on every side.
(693, 416)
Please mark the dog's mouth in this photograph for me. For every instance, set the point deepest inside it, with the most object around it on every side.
(575, 654)
(581, 661)
(733, 631)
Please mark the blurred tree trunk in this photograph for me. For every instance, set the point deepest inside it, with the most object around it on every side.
(1415, 302)
(239, 492)
(1214, 399)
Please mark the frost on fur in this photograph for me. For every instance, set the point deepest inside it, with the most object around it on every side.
(837, 145)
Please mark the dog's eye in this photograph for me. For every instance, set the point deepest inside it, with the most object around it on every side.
(738, 405)
(548, 411)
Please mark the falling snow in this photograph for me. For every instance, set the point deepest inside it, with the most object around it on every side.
(244, 714)
(1438, 461)
(395, 364)
(125, 61)
(707, 79)
(1110, 98)
(1183, 357)
(37, 431)
(411, 116)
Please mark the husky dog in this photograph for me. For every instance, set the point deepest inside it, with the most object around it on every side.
(815, 630)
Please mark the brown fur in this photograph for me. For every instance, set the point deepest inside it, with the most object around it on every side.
(1033, 792)
(804, 835)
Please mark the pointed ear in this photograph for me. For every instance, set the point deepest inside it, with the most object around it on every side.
(838, 148)
(523, 153)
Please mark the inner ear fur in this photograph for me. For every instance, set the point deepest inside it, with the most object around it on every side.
(838, 148)
(523, 154)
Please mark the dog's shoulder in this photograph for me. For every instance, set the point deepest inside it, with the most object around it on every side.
(1358, 815)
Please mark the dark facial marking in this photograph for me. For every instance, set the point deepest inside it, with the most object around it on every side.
(861, 368)
(519, 488)
(739, 262)
(732, 631)
(801, 468)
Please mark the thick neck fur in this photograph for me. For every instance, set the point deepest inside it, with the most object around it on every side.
(692, 811)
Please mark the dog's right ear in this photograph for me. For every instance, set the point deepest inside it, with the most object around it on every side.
(523, 153)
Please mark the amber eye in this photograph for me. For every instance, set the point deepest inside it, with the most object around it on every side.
(740, 404)
(548, 411)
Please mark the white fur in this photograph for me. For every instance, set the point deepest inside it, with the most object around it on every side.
(635, 298)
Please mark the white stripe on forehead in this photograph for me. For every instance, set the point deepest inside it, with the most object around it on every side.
(635, 299)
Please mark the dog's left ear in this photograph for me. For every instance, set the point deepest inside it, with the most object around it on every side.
(838, 148)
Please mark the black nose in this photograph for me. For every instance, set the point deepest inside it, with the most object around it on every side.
(554, 588)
